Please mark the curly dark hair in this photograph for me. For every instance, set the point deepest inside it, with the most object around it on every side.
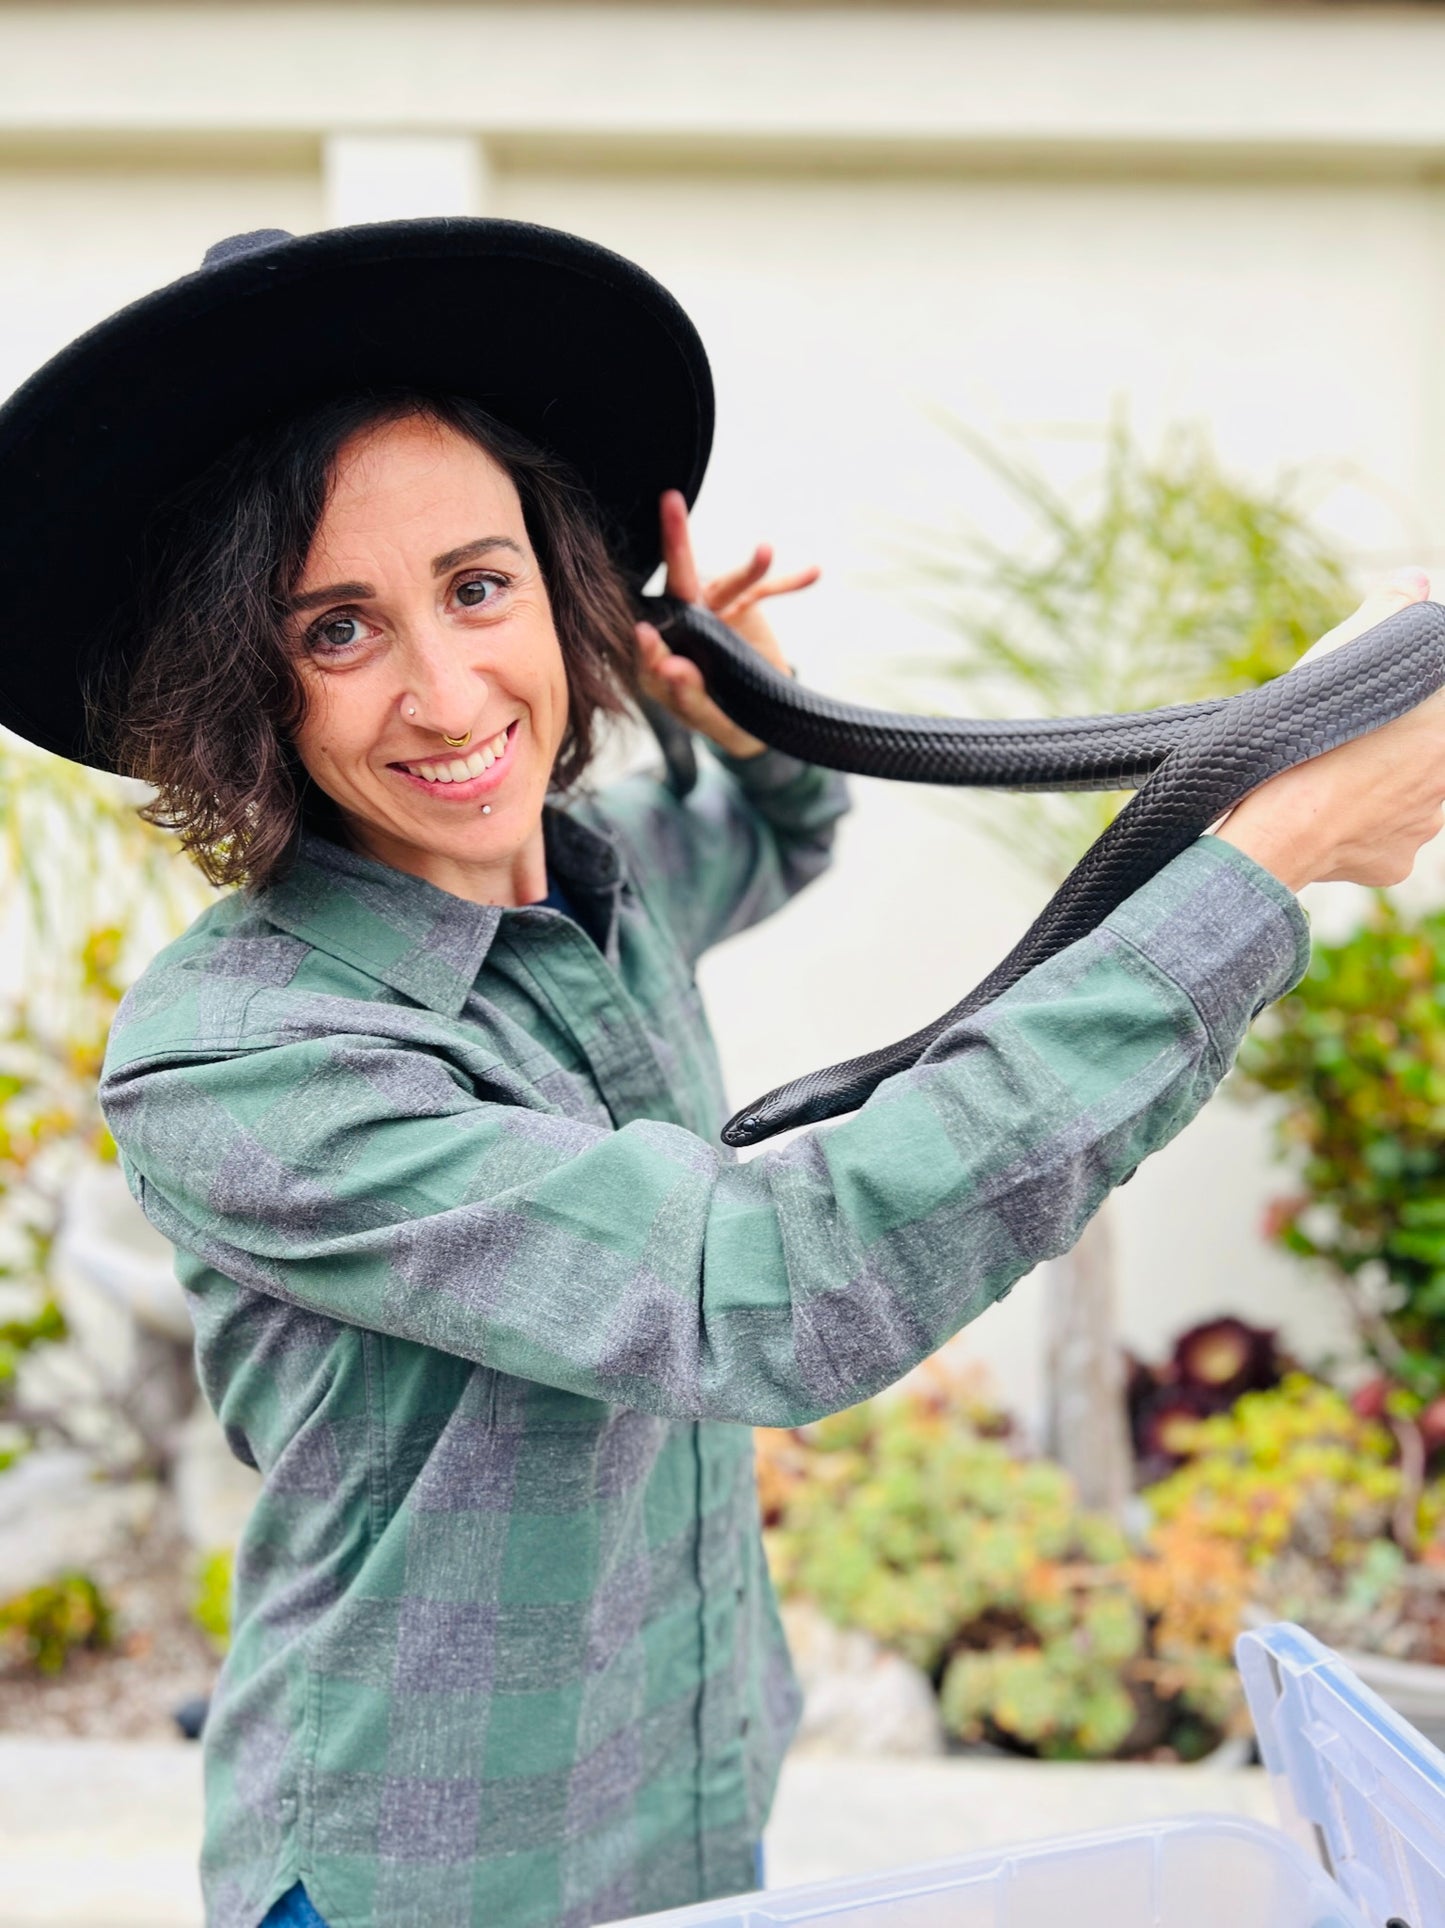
(206, 712)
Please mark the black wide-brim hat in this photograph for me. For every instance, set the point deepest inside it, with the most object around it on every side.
(575, 347)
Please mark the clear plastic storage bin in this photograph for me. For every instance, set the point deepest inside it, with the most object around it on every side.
(1362, 1845)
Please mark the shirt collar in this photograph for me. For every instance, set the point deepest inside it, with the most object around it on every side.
(410, 935)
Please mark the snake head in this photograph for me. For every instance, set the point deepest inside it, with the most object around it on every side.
(745, 1128)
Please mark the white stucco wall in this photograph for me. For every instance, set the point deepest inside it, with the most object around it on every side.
(1026, 220)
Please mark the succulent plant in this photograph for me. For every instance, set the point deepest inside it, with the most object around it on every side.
(981, 1567)
(1044, 1629)
(1293, 1469)
(1208, 1368)
(1226, 1357)
(1163, 1421)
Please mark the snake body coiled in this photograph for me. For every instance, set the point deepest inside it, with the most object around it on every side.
(1188, 764)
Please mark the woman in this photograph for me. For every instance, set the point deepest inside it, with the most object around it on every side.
(428, 1107)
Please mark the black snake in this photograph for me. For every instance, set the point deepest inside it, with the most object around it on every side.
(1188, 764)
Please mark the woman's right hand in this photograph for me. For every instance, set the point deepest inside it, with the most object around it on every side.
(1359, 814)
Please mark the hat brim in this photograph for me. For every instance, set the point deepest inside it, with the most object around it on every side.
(573, 346)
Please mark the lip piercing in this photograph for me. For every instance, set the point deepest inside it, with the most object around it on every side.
(486, 810)
(457, 742)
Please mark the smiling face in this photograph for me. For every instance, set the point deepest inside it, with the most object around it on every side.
(420, 614)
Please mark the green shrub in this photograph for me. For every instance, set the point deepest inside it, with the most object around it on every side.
(44, 1627)
(1356, 1057)
(211, 1601)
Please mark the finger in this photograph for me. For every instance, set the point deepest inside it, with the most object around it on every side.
(652, 655)
(665, 673)
(681, 676)
(697, 709)
(650, 646)
(723, 588)
(1404, 587)
(778, 586)
(682, 577)
(677, 683)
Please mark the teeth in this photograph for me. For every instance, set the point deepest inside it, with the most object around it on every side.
(458, 771)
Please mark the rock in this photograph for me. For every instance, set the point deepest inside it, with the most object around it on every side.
(123, 1303)
(190, 1716)
(857, 1697)
(214, 1491)
(108, 1249)
(57, 1516)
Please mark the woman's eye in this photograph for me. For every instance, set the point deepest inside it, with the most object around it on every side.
(477, 591)
(337, 632)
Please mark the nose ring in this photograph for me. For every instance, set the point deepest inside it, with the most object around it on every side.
(457, 742)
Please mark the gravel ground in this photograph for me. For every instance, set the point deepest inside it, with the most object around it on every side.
(160, 1658)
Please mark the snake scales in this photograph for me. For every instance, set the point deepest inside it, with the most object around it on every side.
(1188, 765)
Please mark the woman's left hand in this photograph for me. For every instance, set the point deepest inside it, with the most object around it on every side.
(673, 680)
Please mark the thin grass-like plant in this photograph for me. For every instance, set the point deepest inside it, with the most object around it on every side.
(1163, 580)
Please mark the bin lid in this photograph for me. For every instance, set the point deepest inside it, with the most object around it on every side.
(1353, 1779)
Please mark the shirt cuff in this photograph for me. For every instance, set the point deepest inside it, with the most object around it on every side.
(770, 772)
(1225, 930)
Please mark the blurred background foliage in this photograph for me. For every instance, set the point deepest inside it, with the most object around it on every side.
(50, 1125)
(76, 864)
(87, 892)
(45, 1626)
(1354, 1060)
(212, 1594)
(922, 1519)
(1162, 579)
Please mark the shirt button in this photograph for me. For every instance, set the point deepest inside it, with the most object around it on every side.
(742, 1594)
(743, 1726)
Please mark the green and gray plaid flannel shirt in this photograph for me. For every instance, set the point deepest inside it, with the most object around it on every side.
(479, 1292)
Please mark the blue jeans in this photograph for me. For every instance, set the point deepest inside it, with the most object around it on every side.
(294, 1909)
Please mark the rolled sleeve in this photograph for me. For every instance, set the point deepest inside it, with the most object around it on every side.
(1226, 931)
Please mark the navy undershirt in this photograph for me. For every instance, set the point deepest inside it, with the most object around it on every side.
(557, 899)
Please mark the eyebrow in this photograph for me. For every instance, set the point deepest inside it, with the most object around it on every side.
(359, 591)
